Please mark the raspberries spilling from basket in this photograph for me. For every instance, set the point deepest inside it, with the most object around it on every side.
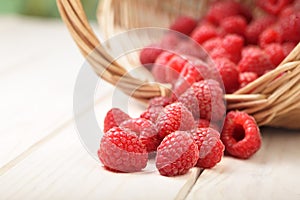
(193, 128)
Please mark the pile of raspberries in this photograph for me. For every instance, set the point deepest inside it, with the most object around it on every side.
(192, 127)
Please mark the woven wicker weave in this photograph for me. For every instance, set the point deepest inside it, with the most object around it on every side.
(273, 99)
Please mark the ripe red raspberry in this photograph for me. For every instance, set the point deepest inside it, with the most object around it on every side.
(204, 32)
(229, 74)
(210, 147)
(205, 100)
(246, 77)
(240, 135)
(222, 9)
(203, 123)
(257, 26)
(255, 60)
(174, 117)
(184, 24)
(290, 27)
(195, 70)
(122, 151)
(114, 118)
(271, 6)
(190, 48)
(269, 36)
(167, 67)
(234, 24)
(211, 44)
(233, 44)
(160, 101)
(152, 113)
(145, 130)
(287, 48)
(176, 154)
(275, 53)
(149, 54)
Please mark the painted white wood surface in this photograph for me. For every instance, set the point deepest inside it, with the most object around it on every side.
(39, 64)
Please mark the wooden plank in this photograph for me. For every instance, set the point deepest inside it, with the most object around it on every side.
(273, 173)
(62, 169)
(36, 95)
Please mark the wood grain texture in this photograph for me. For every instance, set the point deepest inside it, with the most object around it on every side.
(273, 173)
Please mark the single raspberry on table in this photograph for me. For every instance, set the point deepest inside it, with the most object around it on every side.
(114, 118)
(184, 24)
(205, 100)
(246, 77)
(122, 151)
(204, 32)
(255, 60)
(210, 147)
(174, 117)
(229, 74)
(289, 27)
(257, 26)
(222, 9)
(176, 154)
(275, 52)
(271, 6)
(149, 54)
(269, 36)
(240, 135)
(145, 130)
(234, 25)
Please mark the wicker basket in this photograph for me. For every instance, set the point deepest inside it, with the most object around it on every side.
(272, 100)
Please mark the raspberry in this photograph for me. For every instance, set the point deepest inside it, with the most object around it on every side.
(184, 24)
(287, 48)
(257, 26)
(152, 113)
(210, 147)
(233, 44)
(145, 130)
(203, 33)
(205, 100)
(174, 117)
(234, 24)
(176, 154)
(114, 118)
(275, 53)
(246, 77)
(160, 101)
(240, 135)
(195, 70)
(203, 123)
(122, 151)
(255, 60)
(219, 53)
(211, 44)
(268, 36)
(290, 27)
(219, 10)
(190, 48)
(272, 6)
(149, 54)
(229, 73)
(167, 67)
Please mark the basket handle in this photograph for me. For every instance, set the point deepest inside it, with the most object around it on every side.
(103, 64)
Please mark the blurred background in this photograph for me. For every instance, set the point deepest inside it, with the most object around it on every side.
(41, 8)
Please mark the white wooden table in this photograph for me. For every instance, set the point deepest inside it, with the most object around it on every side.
(41, 156)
